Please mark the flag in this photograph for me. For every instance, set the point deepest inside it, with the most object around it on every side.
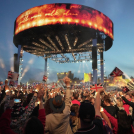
(96, 87)
(11, 83)
(10, 75)
(125, 89)
(44, 78)
(87, 77)
(116, 72)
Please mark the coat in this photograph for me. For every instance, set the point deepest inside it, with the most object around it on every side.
(58, 123)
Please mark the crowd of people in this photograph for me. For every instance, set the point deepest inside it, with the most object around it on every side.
(41, 110)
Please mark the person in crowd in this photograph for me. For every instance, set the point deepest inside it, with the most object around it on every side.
(113, 110)
(92, 100)
(58, 121)
(125, 105)
(74, 120)
(32, 126)
(75, 101)
(121, 125)
(130, 104)
(68, 111)
(90, 117)
(119, 103)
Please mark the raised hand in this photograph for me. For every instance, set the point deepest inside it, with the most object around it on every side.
(66, 81)
(6, 82)
(39, 87)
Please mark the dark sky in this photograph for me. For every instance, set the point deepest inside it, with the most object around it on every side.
(121, 12)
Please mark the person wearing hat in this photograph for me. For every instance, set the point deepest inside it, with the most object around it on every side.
(58, 121)
(90, 117)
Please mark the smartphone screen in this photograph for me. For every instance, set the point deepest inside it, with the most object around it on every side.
(17, 100)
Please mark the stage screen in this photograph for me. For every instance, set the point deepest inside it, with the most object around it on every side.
(71, 14)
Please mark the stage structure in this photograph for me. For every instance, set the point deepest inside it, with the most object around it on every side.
(56, 30)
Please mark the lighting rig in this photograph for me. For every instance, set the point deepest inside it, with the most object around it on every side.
(71, 58)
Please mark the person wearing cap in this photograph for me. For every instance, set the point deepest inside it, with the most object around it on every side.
(90, 117)
(58, 121)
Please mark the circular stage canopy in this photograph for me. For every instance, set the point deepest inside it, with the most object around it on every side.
(62, 28)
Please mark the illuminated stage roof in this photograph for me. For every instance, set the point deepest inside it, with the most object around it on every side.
(62, 28)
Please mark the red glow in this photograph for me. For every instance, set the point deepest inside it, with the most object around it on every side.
(51, 14)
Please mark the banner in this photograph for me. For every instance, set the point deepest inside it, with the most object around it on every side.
(44, 78)
(10, 75)
(87, 77)
(11, 83)
(15, 76)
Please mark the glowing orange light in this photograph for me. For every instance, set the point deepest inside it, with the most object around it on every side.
(40, 22)
(69, 20)
(95, 25)
(46, 21)
(90, 23)
(76, 21)
(100, 28)
(61, 20)
(83, 21)
(104, 30)
(51, 14)
(33, 23)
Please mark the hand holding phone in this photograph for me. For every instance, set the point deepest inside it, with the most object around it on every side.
(17, 100)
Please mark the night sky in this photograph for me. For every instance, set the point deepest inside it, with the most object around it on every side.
(120, 55)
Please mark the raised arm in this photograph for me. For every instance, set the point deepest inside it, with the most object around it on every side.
(67, 96)
(5, 120)
(41, 115)
(112, 119)
(104, 116)
(98, 102)
(127, 101)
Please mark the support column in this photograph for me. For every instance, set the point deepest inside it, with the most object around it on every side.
(19, 62)
(94, 60)
(102, 66)
(45, 66)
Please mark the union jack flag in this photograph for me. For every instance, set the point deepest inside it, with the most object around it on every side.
(125, 89)
(11, 83)
(44, 78)
(96, 87)
(10, 75)
(116, 72)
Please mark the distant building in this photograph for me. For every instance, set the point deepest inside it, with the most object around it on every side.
(70, 75)
(63, 74)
